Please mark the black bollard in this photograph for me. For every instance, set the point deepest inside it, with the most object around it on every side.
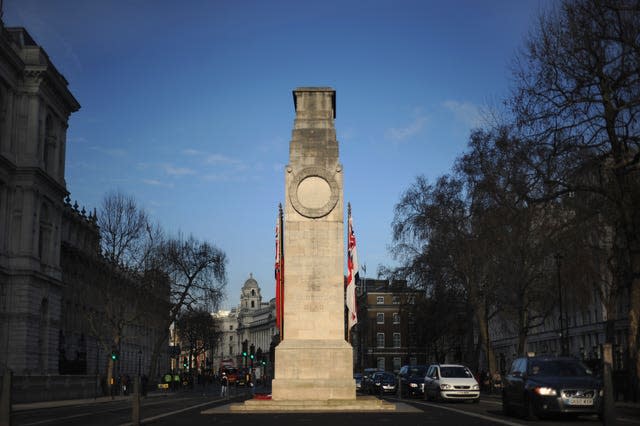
(608, 410)
(5, 399)
(135, 402)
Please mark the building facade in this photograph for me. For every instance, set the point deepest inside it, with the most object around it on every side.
(384, 336)
(250, 326)
(51, 271)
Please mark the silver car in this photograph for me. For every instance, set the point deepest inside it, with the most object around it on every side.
(451, 382)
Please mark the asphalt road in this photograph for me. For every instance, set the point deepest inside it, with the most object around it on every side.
(189, 408)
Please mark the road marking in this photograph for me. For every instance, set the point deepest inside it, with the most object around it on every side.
(468, 413)
(160, 416)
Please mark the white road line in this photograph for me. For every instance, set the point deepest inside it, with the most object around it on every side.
(160, 416)
(471, 414)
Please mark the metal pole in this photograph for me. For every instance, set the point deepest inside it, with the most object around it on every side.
(135, 401)
(5, 399)
(563, 346)
(608, 410)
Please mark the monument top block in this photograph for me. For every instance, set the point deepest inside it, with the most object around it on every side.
(300, 92)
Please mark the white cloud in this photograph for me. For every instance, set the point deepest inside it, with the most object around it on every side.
(220, 159)
(465, 112)
(115, 152)
(401, 133)
(178, 171)
(154, 182)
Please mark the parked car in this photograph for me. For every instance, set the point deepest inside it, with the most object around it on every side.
(451, 382)
(371, 383)
(539, 385)
(358, 379)
(366, 378)
(383, 383)
(412, 379)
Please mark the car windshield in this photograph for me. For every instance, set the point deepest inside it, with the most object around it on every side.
(557, 367)
(455, 372)
(388, 378)
(418, 371)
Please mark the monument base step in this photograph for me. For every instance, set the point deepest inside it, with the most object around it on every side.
(364, 403)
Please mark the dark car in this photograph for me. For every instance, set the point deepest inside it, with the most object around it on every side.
(541, 385)
(412, 379)
(383, 383)
(366, 378)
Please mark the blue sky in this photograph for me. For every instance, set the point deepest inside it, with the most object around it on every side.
(187, 105)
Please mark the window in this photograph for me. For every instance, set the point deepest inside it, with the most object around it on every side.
(380, 363)
(231, 328)
(380, 318)
(397, 363)
(380, 300)
(396, 318)
(380, 340)
(396, 300)
(396, 340)
(253, 304)
(231, 338)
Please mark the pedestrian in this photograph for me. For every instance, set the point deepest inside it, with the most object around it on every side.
(224, 382)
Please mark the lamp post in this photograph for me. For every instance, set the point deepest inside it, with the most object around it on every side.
(563, 337)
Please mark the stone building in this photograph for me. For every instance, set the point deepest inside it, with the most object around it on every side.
(51, 271)
(252, 321)
(35, 105)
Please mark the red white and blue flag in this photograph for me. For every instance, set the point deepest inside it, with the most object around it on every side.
(352, 274)
(279, 275)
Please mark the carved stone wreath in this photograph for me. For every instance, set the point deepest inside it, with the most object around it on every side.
(313, 192)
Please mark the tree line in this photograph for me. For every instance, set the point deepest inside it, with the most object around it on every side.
(181, 276)
(547, 190)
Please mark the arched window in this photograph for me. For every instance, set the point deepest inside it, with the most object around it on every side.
(44, 237)
(3, 117)
(48, 153)
(253, 292)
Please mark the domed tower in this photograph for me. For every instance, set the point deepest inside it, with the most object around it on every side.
(250, 297)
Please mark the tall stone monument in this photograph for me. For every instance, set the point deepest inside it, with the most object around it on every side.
(313, 361)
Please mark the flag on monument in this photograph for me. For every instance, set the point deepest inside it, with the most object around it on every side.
(279, 274)
(352, 274)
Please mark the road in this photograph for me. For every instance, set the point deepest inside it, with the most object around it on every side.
(186, 408)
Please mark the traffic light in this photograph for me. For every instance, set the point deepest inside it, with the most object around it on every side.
(114, 355)
(185, 363)
(244, 354)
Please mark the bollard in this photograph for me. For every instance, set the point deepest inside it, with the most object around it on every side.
(135, 402)
(608, 411)
(5, 399)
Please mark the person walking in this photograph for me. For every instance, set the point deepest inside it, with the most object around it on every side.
(224, 382)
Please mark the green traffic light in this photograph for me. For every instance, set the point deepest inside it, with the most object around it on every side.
(244, 354)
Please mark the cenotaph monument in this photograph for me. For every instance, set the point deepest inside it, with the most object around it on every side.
(313, 362)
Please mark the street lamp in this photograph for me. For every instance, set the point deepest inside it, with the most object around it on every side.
(563, 332)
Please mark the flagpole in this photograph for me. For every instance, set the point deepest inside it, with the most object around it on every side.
(281, 245)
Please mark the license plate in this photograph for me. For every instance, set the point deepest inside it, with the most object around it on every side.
(580, 401)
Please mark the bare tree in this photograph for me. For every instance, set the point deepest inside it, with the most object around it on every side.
(198, 331)
(436, 238)
(577, 98)
(197, 275)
